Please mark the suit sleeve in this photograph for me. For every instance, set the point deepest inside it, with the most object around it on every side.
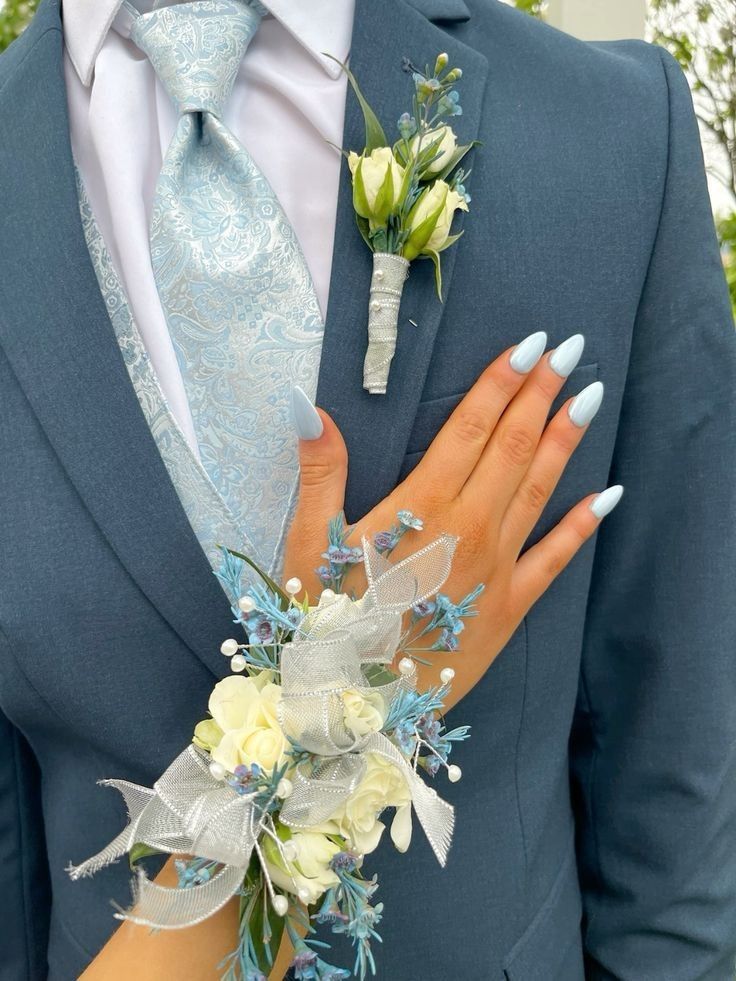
(653, 750)
(24, 892)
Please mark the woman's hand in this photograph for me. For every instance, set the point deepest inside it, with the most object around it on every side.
(486, 478)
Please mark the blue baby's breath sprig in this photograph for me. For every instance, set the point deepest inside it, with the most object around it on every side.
(443, 615)
(347, 908)
(267, 621)
(409, 706)
(230, 574)
(386, 541)
(340, 556)
(194, 871)
(307, 965)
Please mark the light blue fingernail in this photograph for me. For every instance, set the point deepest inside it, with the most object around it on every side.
(305, 417)
(565, 357)
(526, 354)
(585, 404)
(606, 501)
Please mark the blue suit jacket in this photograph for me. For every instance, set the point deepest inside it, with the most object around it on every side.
(597, 814)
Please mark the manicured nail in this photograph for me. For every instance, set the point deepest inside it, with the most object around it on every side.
(585, 404)
(525, 355)
(305, 417)
(565, 357)
(606, 501)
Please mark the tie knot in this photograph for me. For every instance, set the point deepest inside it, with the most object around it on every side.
(196, 49)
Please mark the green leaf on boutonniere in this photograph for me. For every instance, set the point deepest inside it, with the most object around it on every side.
(360, 200)
(450, 240)
(421, 233)
(364, 228)
(456, 158)
(385, 197)
(374, 135)
(434, 255)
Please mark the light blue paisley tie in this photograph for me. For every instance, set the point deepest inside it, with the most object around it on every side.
(238, 298)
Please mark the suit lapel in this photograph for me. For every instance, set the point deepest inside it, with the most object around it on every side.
(58, 337)
(377, 427)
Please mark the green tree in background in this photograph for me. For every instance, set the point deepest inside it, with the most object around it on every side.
(701, 34)
(534, 7)
(14, 15)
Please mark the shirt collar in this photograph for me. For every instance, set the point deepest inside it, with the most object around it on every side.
(319, 26)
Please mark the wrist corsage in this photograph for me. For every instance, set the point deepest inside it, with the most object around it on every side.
(278, 798)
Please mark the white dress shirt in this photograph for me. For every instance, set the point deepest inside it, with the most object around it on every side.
(287, 107)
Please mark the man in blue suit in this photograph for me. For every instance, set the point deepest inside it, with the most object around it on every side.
(597, 813)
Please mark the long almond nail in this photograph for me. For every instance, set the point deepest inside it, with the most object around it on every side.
(606, 501)
(585, 404)
(526, 354)
(305, 417)
(565, 357)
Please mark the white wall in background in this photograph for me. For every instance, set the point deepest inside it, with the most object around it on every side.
(599, 20)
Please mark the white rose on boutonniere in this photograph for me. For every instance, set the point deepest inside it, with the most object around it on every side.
(446, 145)
(377, 183)
(430, 220)
(308, 874)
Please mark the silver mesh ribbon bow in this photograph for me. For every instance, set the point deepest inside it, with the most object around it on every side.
(190, 812)
(339, 639)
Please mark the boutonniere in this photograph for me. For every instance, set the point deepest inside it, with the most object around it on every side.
(405, 197)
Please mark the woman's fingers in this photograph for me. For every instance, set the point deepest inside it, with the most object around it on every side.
(558, 443)
(540, 565)
(323, 468)
(510, 451)
(456, 449)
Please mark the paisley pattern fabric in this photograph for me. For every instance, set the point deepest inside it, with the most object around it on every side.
(238, 297)
(212, 521)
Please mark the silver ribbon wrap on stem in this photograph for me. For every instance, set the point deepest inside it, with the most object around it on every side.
(191, 812)
(387, 286)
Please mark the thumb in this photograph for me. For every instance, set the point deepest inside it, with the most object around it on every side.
(323, 468)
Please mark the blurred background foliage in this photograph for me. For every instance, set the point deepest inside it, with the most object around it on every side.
(14, 15)
(701, 34)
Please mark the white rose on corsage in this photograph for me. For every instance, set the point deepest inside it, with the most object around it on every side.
(382, 786)
(308, 874)
(377, 183)
(244, 728)
(363, 712)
